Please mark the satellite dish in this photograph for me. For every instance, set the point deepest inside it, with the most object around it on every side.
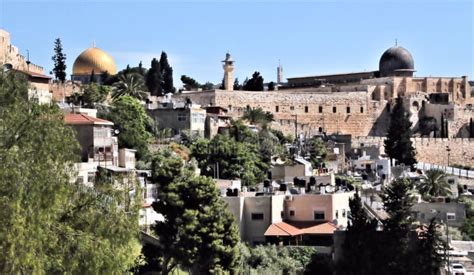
(334, 221)
(329, 188)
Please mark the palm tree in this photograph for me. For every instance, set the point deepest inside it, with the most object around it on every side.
(130, 84)
(434, 184)
(257, 116)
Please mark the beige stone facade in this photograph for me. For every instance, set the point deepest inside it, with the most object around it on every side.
(431, 150)
(10, 54)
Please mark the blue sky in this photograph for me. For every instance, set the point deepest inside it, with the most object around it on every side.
(309, 37)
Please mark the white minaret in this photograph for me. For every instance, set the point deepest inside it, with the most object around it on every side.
(279, 73)
(228, 72)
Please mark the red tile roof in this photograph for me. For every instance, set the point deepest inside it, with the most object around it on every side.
(281, 229)
(81, 119)
(286, 229)
(324, 228)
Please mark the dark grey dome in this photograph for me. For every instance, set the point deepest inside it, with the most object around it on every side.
(396, 61)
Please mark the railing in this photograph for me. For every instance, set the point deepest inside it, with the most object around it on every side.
(448, 169)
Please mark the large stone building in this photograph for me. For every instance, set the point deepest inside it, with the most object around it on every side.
(357, 103)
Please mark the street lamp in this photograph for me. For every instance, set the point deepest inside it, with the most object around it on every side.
(449, 153)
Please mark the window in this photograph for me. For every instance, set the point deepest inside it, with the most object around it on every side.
(319, 215)
(334, 110)
(292, 213)
(306, 109)
(337, 214)
(348, 110)
(292, 108)
(320, 109)
(257, 216)
(343, 213)
(181, 117)
(451, 216)
(361, 109)
(277, 108)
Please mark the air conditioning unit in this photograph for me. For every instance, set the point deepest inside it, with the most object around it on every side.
(288, 198)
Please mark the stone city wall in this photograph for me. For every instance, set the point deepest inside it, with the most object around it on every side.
(431, 150)
(347, 111)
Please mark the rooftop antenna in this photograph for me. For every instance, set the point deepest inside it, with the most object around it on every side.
(93, 43)
(396, 42)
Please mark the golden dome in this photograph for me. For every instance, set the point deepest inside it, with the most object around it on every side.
(93, 59)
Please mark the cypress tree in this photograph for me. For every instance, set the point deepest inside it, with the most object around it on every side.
(154, 78)
(167, 74)
(442, 127)
(59, 59)
(446, 132)
(397, 201)
(471, 129)
(359, 247)
(92, 77)
(398, 144)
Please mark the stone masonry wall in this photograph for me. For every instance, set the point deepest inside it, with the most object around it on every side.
(431, 150)
(347, 111)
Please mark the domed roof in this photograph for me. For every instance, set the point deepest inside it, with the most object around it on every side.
(93, 59)
(396, 61)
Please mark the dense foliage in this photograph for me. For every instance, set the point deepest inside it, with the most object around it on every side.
(271, 259)
(434, 184)
(241, 154)
(198, 232)
(398, 144)
(91, 95)
(398, 248)
(255, 83)
(48, 223)
(159, 78)
(130, 118)
(130, 84)
(59, 59)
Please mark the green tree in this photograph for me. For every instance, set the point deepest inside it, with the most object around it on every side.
(255, 83)
(317, 151)
(92, 77)
(131, 120)
(237, 86)
(398, 145)
(93, 94)
(443, 133)
(230, 159)
(398, 200)
(258, 116)
(359, 246)
(130, 84)
(434, 184)
(471, 128)
(428, 249)
(269, 259)
(59, 59)
(49, 224)
(271, 86)
(199, 231)
(207, 86)
(189, 83)
(154, 78)
(167, 73)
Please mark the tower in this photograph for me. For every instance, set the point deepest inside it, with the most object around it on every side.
(228, 72)
(279, 73)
